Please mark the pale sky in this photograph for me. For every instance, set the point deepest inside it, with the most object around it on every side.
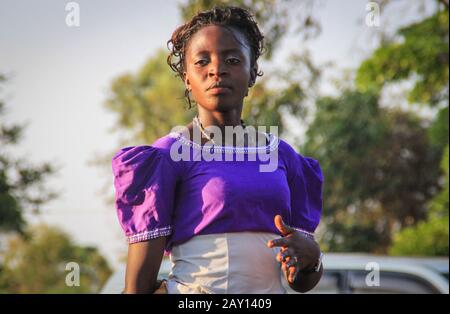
(60, 75)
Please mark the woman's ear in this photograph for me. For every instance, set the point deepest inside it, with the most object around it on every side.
(253, 74)
(186, 81)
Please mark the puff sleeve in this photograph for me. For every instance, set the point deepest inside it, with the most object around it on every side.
(305, 184)
(144, 182)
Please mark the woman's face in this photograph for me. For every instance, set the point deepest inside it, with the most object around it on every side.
(213, 55)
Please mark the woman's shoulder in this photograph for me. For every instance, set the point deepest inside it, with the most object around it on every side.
(140, 155)
(287, 150)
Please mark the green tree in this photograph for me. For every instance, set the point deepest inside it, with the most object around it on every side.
(21, 184)
(430, 237)
(36, 263)
(378, 167)
(419, 53)
(420, 50)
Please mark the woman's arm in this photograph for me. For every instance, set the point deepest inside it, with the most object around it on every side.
(144, 261)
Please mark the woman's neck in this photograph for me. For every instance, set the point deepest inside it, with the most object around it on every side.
(222, 120)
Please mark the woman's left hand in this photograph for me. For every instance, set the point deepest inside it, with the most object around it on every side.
(298, 252)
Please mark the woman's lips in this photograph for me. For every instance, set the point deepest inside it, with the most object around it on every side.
(219, 90)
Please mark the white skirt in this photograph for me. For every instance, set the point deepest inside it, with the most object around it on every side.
(239, 262)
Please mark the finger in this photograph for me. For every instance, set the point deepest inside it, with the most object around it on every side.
(278, 242)
(288, 272)
(291, 261)
(291, 270)
(297, 269)
(284, 228)
(286, 257)
(282, 256)
(278, 256)
(293, 267)
(286, 254)
(292, 273)
(285, 270)
(280, 253)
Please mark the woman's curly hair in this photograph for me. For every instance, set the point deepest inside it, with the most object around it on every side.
(224, 16)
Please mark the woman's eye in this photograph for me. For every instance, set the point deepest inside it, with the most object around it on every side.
(234, 60)
(201, 62)
(229, 60)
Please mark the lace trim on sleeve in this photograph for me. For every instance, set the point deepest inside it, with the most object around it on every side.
(150, 234)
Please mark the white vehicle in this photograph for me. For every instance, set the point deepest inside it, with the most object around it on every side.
(355, 273)
(366, 273)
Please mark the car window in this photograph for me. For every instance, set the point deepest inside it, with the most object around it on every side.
(390, 282)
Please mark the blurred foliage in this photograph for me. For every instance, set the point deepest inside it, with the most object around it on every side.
(21, 184)
(422, 51)
(439, 204)
(438, 131)
(36, 263)
(378, 167)
(427, 238)
(430, 237)
(266, 104)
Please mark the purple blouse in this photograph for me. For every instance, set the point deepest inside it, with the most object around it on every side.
(159, 195)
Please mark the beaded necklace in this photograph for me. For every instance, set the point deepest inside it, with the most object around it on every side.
(196, 122)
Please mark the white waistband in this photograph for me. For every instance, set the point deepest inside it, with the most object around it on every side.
(237, 262)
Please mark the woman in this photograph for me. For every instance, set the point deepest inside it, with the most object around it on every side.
(220, 220)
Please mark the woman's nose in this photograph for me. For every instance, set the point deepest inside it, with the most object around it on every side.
(217, 68)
